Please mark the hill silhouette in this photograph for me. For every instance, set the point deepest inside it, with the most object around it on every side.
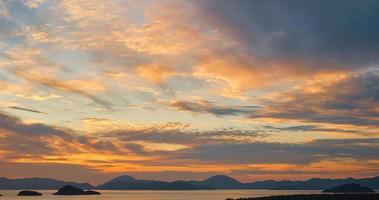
(312, 184)
(123, 178)
(214, 182)
(219, 182)
(129, 183)
(349, 188)
(222, 182)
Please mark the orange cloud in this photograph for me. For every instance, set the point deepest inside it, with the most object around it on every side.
(349, 100)
(82, 87)
(236, 72)
(156, 73)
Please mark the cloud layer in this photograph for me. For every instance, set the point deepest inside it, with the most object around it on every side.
(254, 89)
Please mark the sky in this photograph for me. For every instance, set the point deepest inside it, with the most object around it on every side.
(186, 89)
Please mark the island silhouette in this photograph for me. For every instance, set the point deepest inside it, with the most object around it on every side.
(29, 193)
(72, 190)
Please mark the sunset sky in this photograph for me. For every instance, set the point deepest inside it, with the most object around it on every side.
(186, 89)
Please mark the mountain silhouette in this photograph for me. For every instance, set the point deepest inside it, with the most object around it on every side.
(38, 184)
(225, 182)
(219, 182)
(129, 183)
(312, 184)
(122, 178)
(214, 182)
(349, 188)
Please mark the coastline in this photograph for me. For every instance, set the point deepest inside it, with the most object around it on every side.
(362, 196)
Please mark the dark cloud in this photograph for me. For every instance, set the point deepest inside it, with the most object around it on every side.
(65, 172)
(26, 109)
(265, 152)
(177, 136)
(34, 141)
(172, 175)
(61, 85)
(352, 100)
(39, 139)
(320, 33)
(212, 108)
(80, 173)
(94, 119)
(308, 128)
(105, 145)
(136, 148)
(275, 172)
(16, 126)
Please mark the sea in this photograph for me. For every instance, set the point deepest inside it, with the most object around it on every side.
(157, 194)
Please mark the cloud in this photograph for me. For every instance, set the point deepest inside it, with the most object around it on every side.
(307, 32)
(200, 151)
(26, 109)
(66, 172)
(81, 87)
(22, 140)
(16, 126)
(34, 3)
(182, 136)
(155, 73)
(278, 45)
(352, 100)
(93, 119)
(212, 108)
(34, 68)
(80, 173)
(271, 153)
(39, 97)
(309, 128)
(305, 63)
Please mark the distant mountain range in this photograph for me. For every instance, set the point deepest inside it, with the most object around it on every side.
(38, 184)
(215, 182)
(312, 184)
(129, 183)
(225, 182)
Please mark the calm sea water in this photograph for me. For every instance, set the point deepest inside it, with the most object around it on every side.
(158, 195)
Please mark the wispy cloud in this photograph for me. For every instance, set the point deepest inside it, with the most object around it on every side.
(26, 109)
(82, 87)
(212, 108)
(267, 152)
(352, 100)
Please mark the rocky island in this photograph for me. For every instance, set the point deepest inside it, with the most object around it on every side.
(29, 193)
(72, 190)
